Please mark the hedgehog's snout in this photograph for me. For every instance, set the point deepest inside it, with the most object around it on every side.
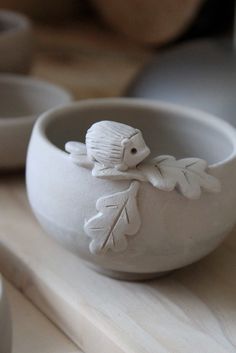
(136, 150)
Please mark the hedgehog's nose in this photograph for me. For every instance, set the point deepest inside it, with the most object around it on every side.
(146, 152)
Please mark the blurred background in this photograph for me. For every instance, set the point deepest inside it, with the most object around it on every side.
(96, 47)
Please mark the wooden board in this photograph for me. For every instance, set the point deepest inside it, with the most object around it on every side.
(191, 310)
(32, 331)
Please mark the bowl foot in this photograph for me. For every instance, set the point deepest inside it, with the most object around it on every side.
(128, 276)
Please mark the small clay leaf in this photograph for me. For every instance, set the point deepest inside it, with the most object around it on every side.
(75, 147)
(78, 154)
(188, 175)
(117, 217)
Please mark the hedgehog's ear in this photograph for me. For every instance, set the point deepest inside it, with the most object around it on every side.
(125, 142)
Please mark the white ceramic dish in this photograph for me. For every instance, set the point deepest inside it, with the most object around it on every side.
(16, 43)
(174, 230)
(22, 99)
(5, 321)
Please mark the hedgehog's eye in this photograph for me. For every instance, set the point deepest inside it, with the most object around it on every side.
(133, 150)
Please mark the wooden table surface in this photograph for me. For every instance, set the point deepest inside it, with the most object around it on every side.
(32, 331)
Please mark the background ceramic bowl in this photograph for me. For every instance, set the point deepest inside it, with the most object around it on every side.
(22, 99)
(16, 44)
(175, 231)
(5, 322)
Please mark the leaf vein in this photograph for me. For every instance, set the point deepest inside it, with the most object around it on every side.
(114, 224)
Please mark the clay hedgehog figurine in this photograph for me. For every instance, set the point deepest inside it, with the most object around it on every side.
(110, 148)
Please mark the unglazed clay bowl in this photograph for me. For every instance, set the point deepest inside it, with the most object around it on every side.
(16, 45)
(22, 100)
(5, 321)
(169, 230)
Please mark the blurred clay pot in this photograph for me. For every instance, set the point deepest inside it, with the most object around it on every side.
(15, 42)
(152, 21)
(5, 321)
(22, 100)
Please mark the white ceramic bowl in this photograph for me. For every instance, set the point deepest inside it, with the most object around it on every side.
(175, 231)
(5, 322)
(16, 45)
(22, 100)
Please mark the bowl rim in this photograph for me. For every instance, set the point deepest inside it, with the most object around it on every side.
(197, 115)
(25, 81)
(21, 22)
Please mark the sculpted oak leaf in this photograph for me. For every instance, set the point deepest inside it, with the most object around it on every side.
(188, 175)
(117, 217)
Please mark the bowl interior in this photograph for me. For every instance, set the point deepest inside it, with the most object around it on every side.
(165, 131)
(25, 97)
